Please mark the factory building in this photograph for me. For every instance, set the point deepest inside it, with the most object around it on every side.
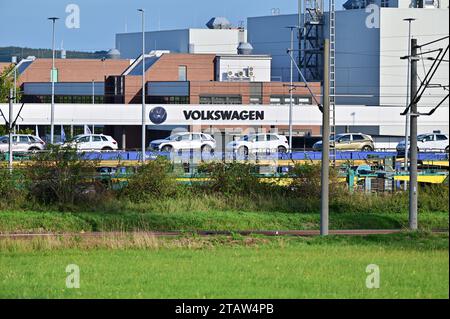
(218, 38)
(369, 44)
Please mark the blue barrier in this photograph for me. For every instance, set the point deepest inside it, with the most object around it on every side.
(186, 156)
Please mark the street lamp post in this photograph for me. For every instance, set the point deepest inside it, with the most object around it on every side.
(407, 97)
(143, 84)
(52, 76)
(14, 61)
(291, 86)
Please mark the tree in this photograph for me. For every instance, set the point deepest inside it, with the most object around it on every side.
(6, 83)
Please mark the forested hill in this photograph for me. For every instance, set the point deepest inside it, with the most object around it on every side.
(7, 52)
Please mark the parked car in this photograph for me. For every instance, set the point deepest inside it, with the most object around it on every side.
(22, 143)
(349, 142)
(259, 143)
(98, 142)
(428, 142)
(185, 141)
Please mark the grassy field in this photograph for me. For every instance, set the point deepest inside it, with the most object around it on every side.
(29, 221)
(411, 266)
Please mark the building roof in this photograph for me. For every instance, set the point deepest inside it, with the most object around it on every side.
(73, 70)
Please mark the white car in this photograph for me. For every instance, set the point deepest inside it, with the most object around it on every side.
(259, 143)
(428, 143)
(22, 143)
(185, 141)
(97, 142)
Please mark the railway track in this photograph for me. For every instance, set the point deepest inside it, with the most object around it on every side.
(271, 233)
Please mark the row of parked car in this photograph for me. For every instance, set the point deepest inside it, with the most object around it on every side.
(30, 143)
(247, 144)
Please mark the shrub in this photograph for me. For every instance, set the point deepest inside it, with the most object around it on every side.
(12, 190)
(307, 181)
(152, 180)
(232, 178)
(61, 176)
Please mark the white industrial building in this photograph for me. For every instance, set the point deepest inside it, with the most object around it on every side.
(218, 38)
(251, 68)
(369, 45)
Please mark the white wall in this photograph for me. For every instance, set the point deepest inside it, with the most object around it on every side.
(430, 25)
(181, 41)
(235, 64)
(130, 44)
(216, 41)
(387, 118)
(367, 59)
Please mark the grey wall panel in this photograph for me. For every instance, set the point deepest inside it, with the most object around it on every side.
(64, 88)
(168, 88)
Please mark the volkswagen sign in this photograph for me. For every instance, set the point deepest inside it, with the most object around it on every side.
(158, 115)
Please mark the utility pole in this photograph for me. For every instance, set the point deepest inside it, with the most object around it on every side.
(413, 186)
(291, 88)
(11, 119)
(93, 102)
(324, 199)
(143, 85)
(52, 110)
(408, 80)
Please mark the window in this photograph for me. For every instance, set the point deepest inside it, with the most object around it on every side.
(275, 101)
(234, 100)
(441, 137)
(96, 139)
(271, 137)
(23, 140)
(384, 3)
(358, 137)
(182, 73)
(303, 100)
(219, 99)
(255, 100)
(427, 138)
(286, 100)
(83, 139)
(196, 137)
(205, 100)
(167, 99)
(104, 139)
(260, 137)
(345, 138)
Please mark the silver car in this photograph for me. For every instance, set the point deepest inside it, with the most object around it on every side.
(21, 143)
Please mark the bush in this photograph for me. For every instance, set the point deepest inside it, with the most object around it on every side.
(307, 181)
(152, 180)
(12, 192)
(61, 176)
(232, 179)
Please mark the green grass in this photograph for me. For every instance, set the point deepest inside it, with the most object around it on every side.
(29, 221)
(411, 266)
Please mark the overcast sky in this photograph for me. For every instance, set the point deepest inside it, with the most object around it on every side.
(23, 22)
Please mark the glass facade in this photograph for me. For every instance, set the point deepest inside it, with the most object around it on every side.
(221, 99)
(167, 100)
(67, 99)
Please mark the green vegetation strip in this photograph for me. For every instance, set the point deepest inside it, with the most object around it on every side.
(412, 265)
(58, 222)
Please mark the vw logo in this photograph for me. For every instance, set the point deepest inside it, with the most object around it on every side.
(158, 115)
